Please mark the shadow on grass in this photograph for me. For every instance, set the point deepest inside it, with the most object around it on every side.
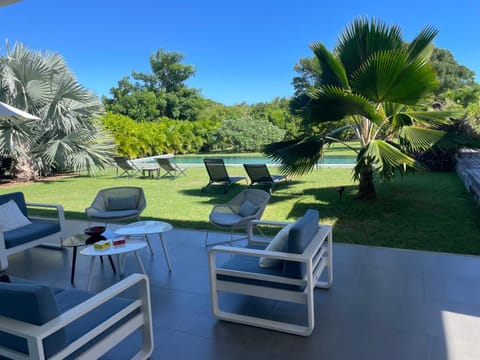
(216, 195)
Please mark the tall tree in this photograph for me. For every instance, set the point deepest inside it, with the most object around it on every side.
(67, 137)
(375, 81)
(162, 92)
(451, 75)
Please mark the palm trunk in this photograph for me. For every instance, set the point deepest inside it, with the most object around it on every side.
(366, 188)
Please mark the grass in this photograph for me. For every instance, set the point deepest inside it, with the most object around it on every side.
(427, 211)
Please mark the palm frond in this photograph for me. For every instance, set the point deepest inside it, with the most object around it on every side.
(433, 118)
(77, 151)
(385, 158)
(415, 139)
(332, 104)
(333, 72)
(296, 157)
(421, 47)
(363, 38)
(16, 136)
(25, 76)
(389, 76)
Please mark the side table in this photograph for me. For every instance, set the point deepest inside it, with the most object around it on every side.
(82, 239)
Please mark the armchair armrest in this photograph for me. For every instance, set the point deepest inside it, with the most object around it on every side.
(59, 210)
(34, 334)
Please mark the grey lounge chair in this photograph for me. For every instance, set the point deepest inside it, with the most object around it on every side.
(171, 169)
(217, 173)
(117, 204)
(125, 165)
(259, 174)
(239, 213)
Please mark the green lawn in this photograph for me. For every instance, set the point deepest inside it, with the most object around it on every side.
(429, 211)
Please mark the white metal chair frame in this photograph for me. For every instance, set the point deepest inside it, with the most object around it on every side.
(317, 258)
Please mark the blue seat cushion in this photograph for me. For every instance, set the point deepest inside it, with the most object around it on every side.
(225, 219)
(301, 234)
(250, 264)
(118, 214)
(70, 298)
(32, 303)
(30, 232)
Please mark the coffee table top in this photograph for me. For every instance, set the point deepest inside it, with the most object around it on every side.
(144, 227)
(130, 245)
(83, 239)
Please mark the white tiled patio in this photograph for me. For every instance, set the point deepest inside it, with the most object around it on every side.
(384, 303)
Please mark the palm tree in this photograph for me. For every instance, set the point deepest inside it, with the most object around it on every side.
(67, 137)
(379, 84)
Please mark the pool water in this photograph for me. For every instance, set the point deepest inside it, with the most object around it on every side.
(238, 160)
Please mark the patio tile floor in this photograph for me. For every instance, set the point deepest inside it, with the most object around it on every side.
(384, 303)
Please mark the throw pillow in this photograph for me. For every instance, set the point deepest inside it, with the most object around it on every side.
(278, 243)
(11, 217)
(248, 208)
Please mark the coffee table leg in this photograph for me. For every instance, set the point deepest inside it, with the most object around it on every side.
(165, 252)
(140, 262)
(74, 260)
(90, 272)
(149, 244)
(119, 264)
(111, 263)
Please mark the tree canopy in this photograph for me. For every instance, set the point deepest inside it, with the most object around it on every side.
(161, 93)
(68, 136)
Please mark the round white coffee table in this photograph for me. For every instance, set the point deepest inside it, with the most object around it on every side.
(117, 250)
(145, 228)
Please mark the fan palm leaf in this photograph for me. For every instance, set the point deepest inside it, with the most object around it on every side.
(362, 39)
(332, 70)
(389, 76)
(421, 47)
(385, 158)
(296, 157)
(419, 139)
(331, 103)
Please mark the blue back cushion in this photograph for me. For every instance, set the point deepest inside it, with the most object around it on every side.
(301, 233)
(18, 198)
(34, 304)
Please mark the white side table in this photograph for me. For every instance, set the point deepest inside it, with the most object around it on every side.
(145, 228)
(129, 246)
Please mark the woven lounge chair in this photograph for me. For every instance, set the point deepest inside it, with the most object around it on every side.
(117, 204)
(259, 174)
(218, 174)
(239, 213)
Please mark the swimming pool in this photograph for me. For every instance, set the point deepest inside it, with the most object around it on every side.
(347, 160)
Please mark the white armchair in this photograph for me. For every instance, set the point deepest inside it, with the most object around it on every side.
(297, 264)
(88, 330)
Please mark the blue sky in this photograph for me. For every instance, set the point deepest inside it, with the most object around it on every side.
(243, 51)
